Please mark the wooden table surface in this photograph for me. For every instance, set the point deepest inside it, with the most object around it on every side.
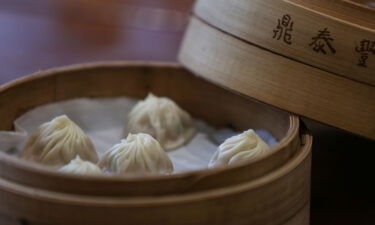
(40, 34)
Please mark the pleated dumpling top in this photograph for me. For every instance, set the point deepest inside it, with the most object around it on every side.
(163, 119)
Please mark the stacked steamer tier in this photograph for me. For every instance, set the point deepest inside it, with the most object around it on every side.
(315, 58)
(273, 190)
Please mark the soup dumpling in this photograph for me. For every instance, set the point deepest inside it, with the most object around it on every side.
(247, 146)
(57, 142)
(78, 166)
(163, 119)
(137, 154)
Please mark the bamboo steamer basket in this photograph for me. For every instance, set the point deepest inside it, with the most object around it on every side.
(273, 190)
(200, 98)
(276, 79)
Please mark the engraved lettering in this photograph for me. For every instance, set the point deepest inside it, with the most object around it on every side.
(364, 49)
(283, 29)
(322, 42)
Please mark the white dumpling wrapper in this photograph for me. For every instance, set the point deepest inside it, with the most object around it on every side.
(78, 166)
(138, 154)
(57, 142)
(163, 119)
(247, 146)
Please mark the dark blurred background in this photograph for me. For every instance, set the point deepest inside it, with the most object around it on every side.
(40, 34)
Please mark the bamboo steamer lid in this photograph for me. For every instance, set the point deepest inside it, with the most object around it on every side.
(312, 58)
(320, 33)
